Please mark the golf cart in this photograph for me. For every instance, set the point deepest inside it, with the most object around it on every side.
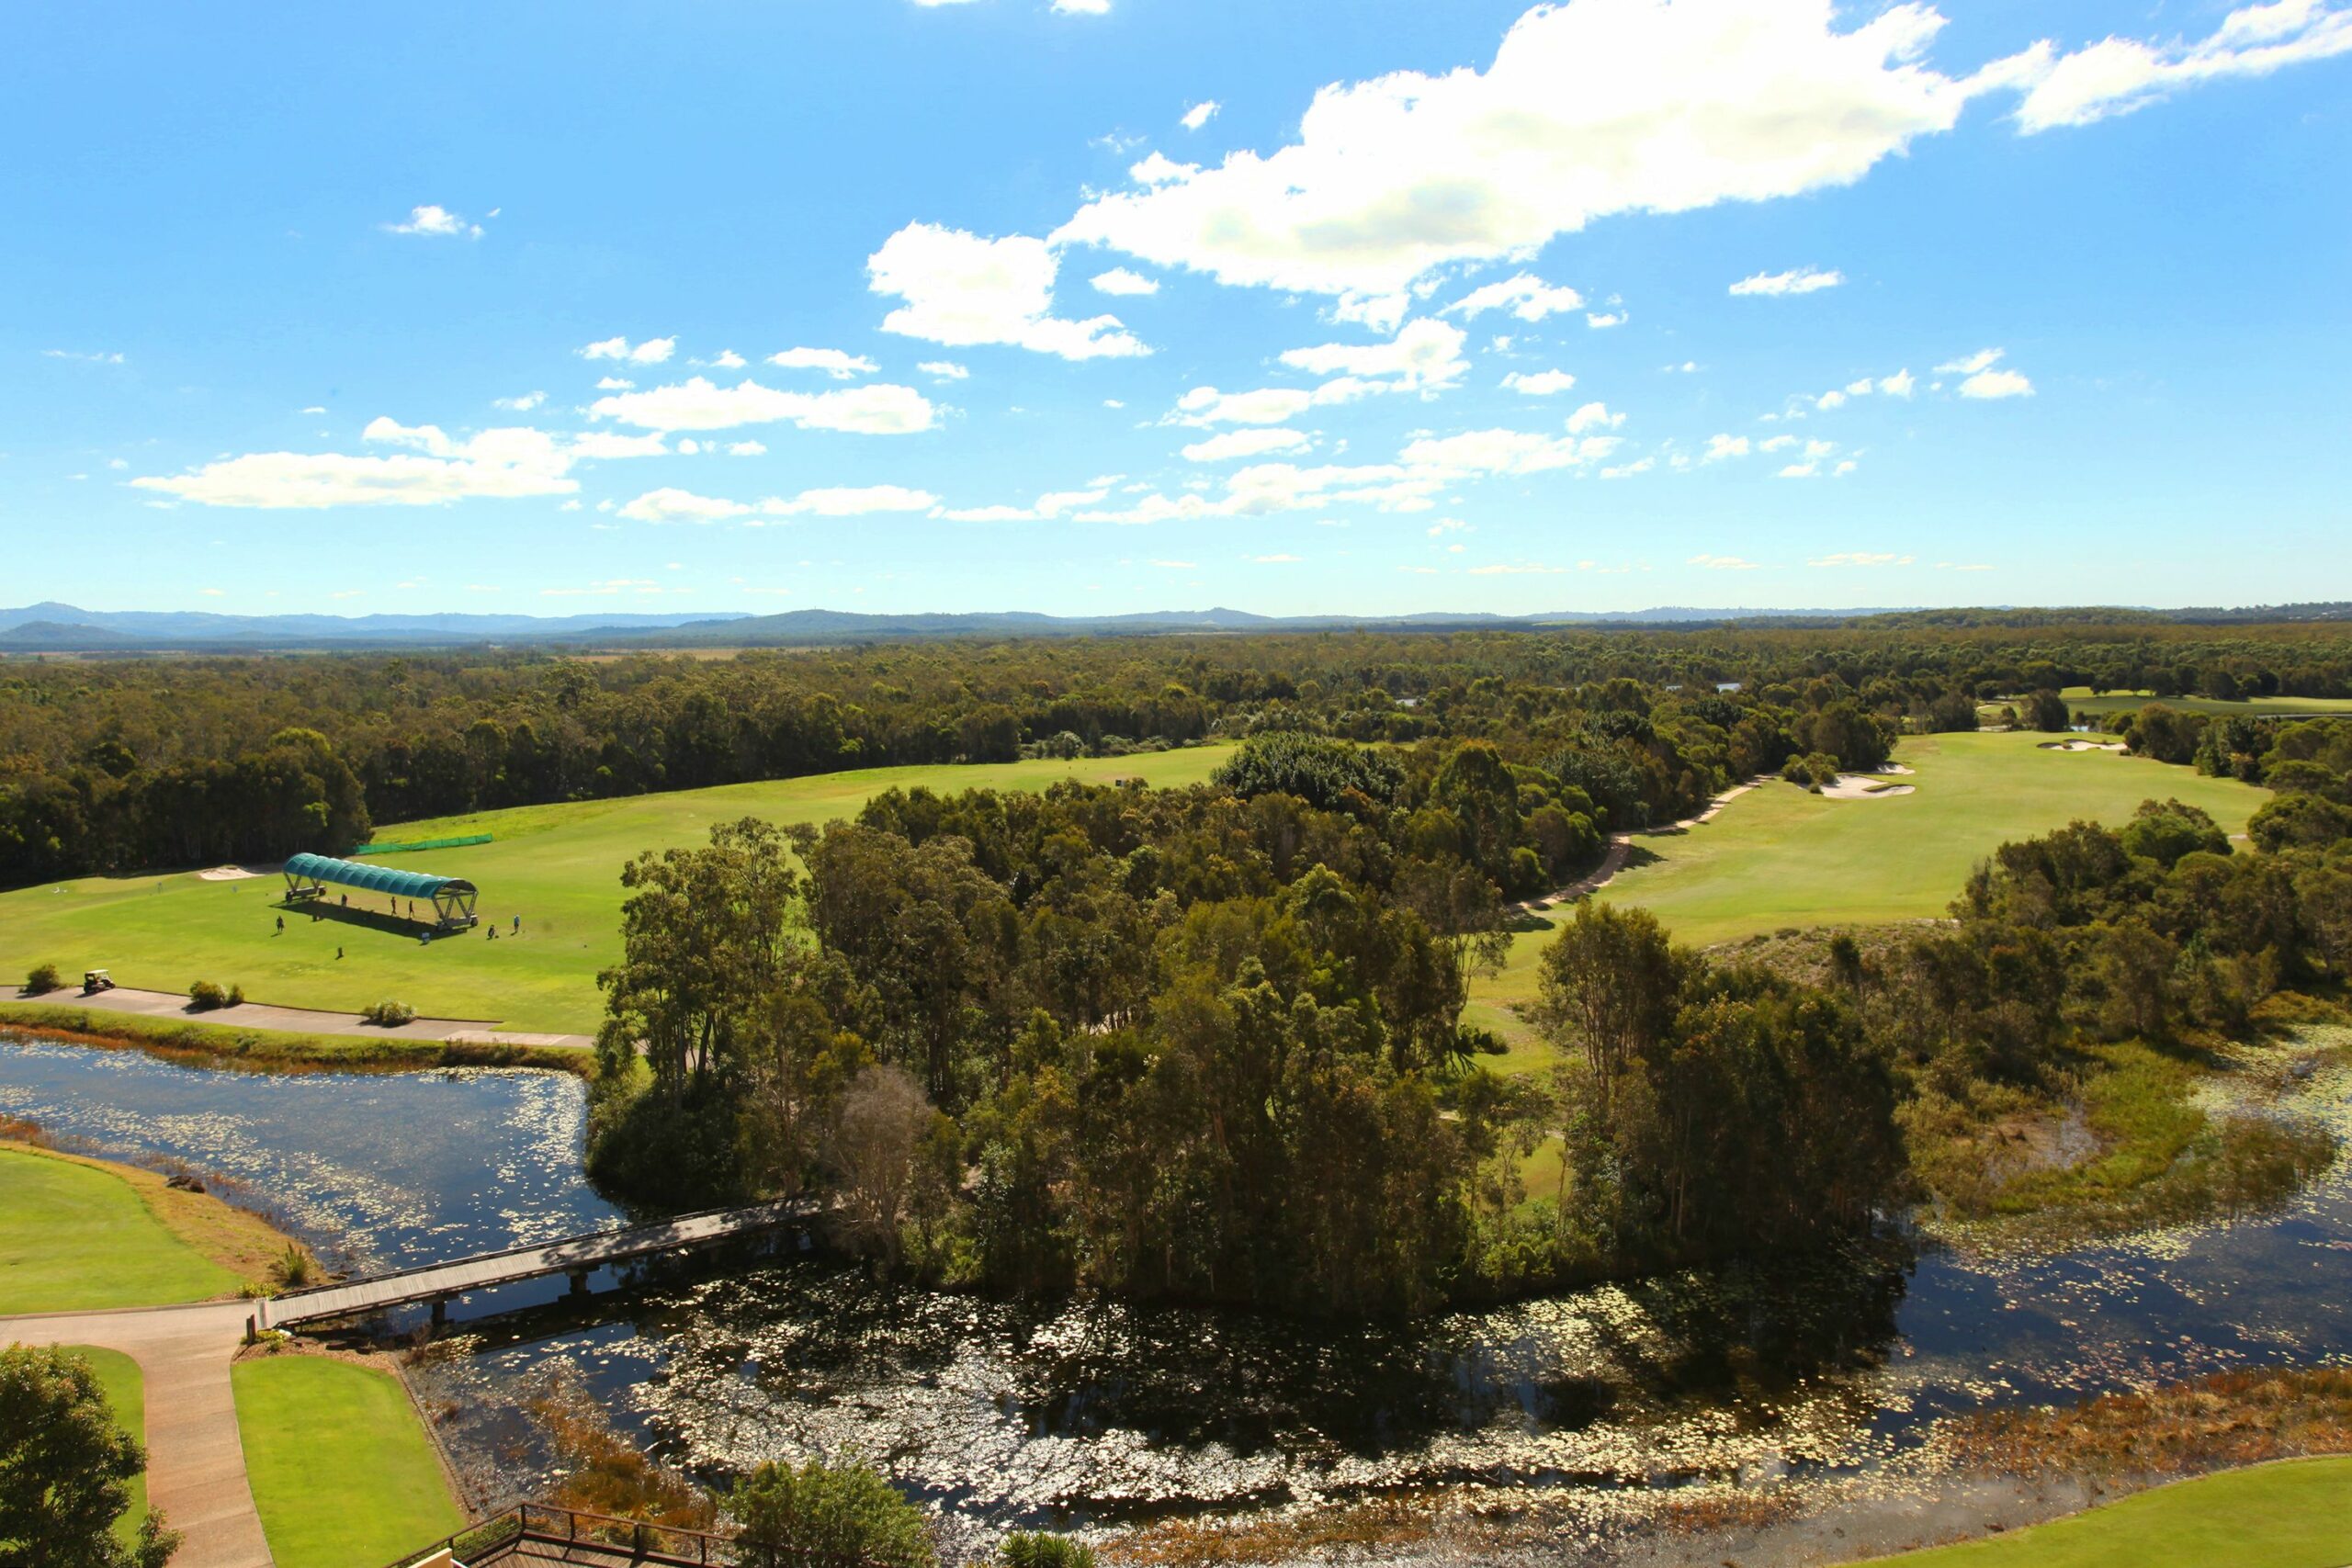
(95, 980)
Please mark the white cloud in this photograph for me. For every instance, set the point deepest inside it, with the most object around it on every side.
(1898, 385)
(2116, 75)
(1722, 446)
(1267, 405)
(1445, 525)
(670, 505)
(652, 351)
(1506, 452)
(1594, 416)
(1051, 505)
(728, 359)
(833, 361)
(876, 409)
(599, 445)
(1722, 563)
(1626, 470)
(435, 223)
(1199, 115)
(1800, 471)
(1540, 383)
(1119, 280)
(961, 289)
(1255, 441)
(315, 408)
(101, 356)
(1589, 109)
(1983, 359)
(1802, 281)
(523, 404)
(1425, 356)
(747, 449)
(606, 384)
(502, 464)
(1603, 322)
(944, 369)
(1996, 384)
(851, 501)
(1082, 7)
(1526, 296)
(1830, 400)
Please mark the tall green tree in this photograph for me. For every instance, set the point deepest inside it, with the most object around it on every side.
(66, 1470)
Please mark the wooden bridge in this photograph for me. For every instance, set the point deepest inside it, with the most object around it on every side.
(577, 1256)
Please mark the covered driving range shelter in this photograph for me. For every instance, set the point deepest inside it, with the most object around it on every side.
(452, 898)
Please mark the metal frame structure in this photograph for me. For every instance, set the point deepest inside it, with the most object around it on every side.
(452, 898)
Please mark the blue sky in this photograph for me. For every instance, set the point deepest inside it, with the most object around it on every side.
(1108, 305)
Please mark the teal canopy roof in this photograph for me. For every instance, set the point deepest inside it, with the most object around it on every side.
(374, 879)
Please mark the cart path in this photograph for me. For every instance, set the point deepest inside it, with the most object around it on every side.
(195, 1460)
(302, 1020)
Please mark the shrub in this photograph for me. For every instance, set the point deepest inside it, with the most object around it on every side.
(42, 980)
(292, 1267)
(1026, 1549)
(204, 996)
(388, 1015)
(829, 1514)
(237, 995)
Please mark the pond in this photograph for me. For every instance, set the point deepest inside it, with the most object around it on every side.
(1098, 1414)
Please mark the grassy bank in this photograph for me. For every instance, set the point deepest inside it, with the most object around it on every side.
(277, 1050)
(1779, 856)
(342, 1472)
(80, 1234)
(556, 866)
(2297, 1514)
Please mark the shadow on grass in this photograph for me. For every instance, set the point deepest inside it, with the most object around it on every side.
(366, 918)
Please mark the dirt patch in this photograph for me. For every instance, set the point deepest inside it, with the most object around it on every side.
(234, 873)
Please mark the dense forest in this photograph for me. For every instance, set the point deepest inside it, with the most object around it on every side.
(1207, 1043)
(124, 765)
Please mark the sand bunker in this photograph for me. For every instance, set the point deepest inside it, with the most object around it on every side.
(228, 874)
(1864, 787)
(2082, 746)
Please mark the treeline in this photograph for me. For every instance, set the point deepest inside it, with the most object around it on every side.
(121, 764)
(1208, 1042)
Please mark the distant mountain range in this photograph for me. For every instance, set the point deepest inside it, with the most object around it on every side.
(65, 628)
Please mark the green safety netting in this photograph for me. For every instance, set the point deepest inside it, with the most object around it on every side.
(375, 878)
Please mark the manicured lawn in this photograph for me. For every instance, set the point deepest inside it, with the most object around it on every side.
(2296, 1514)
(557, 867)
(73, 1236)
(2079, 697)
(126, 1393)
(1778, 856)
(341, 1470)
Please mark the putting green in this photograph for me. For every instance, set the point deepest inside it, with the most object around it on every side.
(556, 866)
(1778, 856)
(343, 1474)
(2295, 1515)
(75, 1237)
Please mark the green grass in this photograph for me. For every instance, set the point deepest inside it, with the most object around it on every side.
(2294, 1515)
(557, 867)
(126, 1393)
(74, 1237)
(341, 1470)
(2080, 698)
(1779, 856)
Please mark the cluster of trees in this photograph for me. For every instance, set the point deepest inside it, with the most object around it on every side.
(66, 1466)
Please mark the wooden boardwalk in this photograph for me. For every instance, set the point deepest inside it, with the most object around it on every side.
(576, 1255)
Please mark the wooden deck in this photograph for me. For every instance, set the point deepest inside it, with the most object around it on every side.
(576, 1255)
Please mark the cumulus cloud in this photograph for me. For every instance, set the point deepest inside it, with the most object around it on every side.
(670, 505)
(1984, 381)
(434, 469)
(1425, 356)
(1082, 7)
(2116, 75)
(1594, 416)
(944, 369)
(841, 366)
(1119, 280)
(1506, 452)
(435, 222)
(522, 404)
(1898, 385)
(1722, 446)
(1539, 383)
(1199, 115)
(1267, 405)
(1604, 320)
(652, 351)
(105, 356)
(1525, 296)
(1050, 506)
(1802, 281)
(960, 289)
(876, 409)
(728, 359)
(1252, 442)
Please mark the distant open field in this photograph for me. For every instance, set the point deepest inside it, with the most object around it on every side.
(2079, 697)
(557, 867)
(1779, 856)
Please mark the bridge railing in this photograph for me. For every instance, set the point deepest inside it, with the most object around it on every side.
(532, 1531)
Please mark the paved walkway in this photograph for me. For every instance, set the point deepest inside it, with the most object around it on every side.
(301, 1020)
(196, 1461)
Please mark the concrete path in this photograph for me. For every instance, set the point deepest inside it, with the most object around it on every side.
(196, 1461)
(301, 1020)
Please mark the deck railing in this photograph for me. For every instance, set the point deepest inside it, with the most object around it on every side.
(547, 1532)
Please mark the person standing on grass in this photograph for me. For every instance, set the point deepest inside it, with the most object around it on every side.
(281, 925)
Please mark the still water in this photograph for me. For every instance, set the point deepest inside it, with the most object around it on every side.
(1101, 1414)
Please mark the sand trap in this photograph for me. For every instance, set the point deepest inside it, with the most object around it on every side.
(228, 874)
(2082, 746)
(1864, 787)
(1892, 768)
